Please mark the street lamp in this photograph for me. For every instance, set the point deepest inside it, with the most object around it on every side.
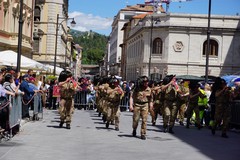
(20, 37)
(150, 56)
(73, 23)
(208, 41)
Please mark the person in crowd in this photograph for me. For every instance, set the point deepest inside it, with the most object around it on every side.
(52, 100)
(131, 85)
(207, 112)
(140, 101)
(212, 99)
(4, 106)
(194, 95)
(90, 95)
(30, 73)
(27, 97)
(114, 95)
(236, 93)
(125, 99)
(8, 81)
(223, 109)
(67, 91)
(44, 88)
(202, 104)
(17, 78)
(182, 100)
(83, 82)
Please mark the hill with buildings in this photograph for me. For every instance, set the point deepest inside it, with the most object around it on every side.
(93, 44)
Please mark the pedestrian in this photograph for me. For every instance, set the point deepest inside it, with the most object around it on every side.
(140, 101)
(67, 87)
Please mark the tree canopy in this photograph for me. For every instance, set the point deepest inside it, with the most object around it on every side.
(94, 45)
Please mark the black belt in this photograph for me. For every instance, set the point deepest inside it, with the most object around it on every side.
(141, 102)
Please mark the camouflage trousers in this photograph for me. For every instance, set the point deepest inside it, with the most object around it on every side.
(181, 111)
(66, 108)
(189, 113)
(158, 110)
(222, 114)
(170, 114)
(140, 111)
(113, 113)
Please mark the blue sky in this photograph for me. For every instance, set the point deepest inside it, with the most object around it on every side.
(97, 15)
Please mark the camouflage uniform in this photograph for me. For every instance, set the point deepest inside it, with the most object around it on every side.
(103, 100)
(157, 101)
(182, 100)
(223, 110)
(193, 106)
(113, 100)
(141, 100)
(170, 108)
(67, 91)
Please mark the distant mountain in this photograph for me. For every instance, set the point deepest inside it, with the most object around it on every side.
(94, 45)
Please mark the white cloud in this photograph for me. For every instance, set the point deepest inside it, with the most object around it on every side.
(86, 22)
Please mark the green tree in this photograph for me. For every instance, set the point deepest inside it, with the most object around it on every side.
(94, 45)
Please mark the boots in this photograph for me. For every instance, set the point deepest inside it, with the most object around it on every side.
(171, 130)
(107, 124)
(143, 137)
(68, 126)
(165, 128)
(224, 135)
(61, 124)
(134, 133)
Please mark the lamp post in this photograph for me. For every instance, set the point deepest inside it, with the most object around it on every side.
(20, 37)
(150, 56)
(208, 42)
(73, 23)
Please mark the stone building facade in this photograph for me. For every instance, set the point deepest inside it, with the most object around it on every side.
(179, 43)
(9, 24)
(45, 31)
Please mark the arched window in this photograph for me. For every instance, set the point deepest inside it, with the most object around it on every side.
(213, 50)
(37, 14)
(157, 46)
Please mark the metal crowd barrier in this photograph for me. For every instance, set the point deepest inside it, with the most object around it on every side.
(83, 99)
(235, 112)
(15, 115)
(124, 104)
(37, 105)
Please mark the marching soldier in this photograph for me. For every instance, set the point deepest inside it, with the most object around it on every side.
(114, 95)
(140, 101)
(223, 109)
(194, 95)
(170, 106)
(157, 99)
(182, 101)
(67, 91)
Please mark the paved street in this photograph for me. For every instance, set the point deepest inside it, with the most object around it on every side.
(89, 140)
